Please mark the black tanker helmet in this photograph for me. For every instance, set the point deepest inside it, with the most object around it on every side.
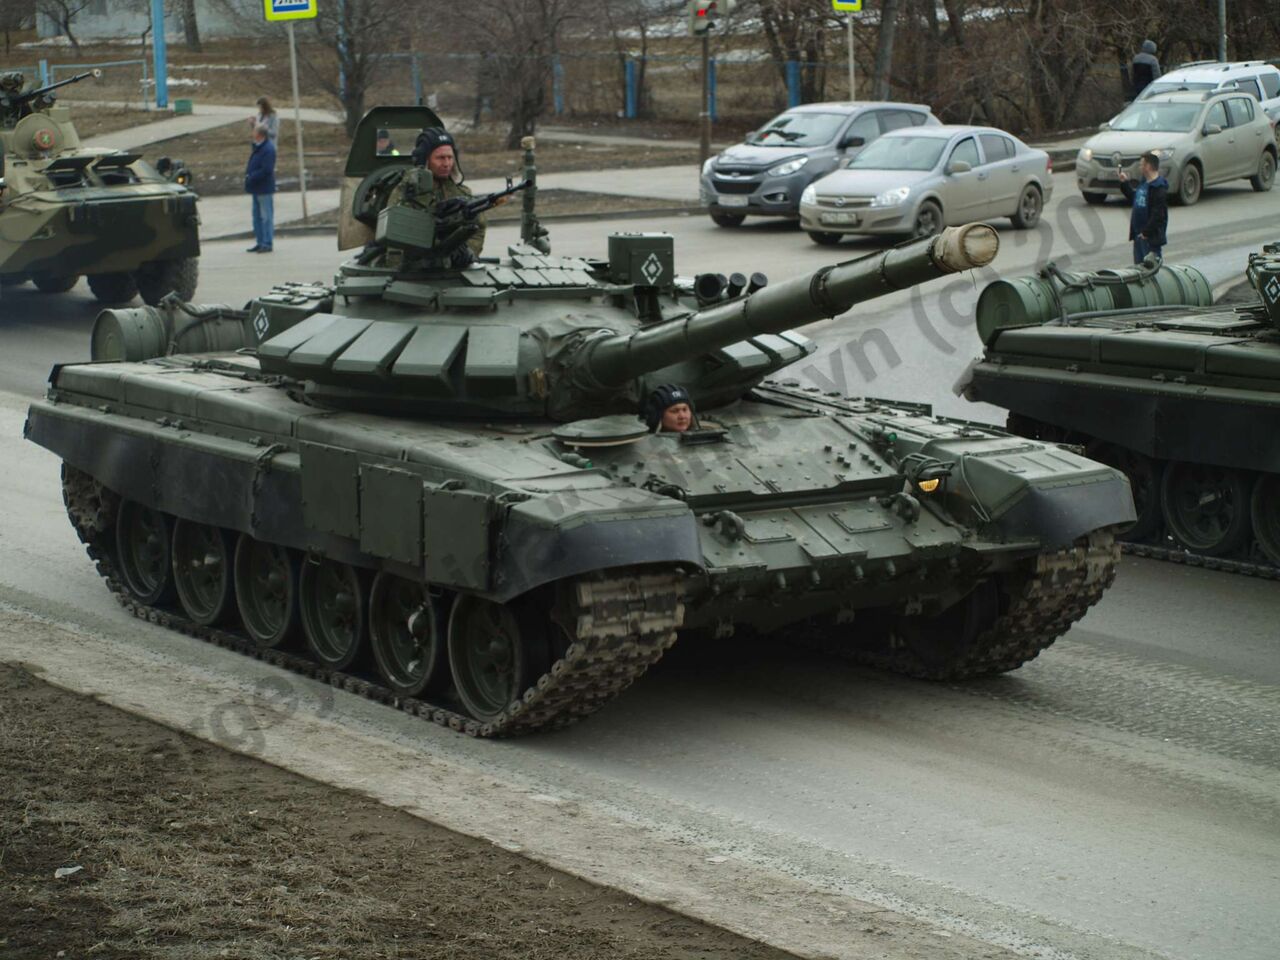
(429, 140)
(659, 400)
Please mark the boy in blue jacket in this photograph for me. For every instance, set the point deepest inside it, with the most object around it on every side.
(260, 183)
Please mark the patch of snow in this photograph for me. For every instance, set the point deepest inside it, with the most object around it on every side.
(176, 82)
(218, 66)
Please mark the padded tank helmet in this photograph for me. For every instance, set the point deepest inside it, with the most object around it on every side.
(660, 399)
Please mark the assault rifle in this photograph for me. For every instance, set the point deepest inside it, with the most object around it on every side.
(468, 208)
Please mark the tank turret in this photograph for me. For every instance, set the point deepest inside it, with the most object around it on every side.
(1264, 274)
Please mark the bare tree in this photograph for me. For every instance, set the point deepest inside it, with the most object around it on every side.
(190, 25)
(884, 49)
(14, 15)
(794, 31)
(358, 33)
(64, 13)
(629, 26)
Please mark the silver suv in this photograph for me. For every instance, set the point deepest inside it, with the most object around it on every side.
(765, 175)
(1200, 138)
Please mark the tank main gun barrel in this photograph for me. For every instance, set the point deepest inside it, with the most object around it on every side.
(829, 292)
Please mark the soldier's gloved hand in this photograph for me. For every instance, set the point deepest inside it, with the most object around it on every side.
(461, 257)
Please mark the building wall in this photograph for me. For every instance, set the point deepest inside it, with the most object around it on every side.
(126, 19)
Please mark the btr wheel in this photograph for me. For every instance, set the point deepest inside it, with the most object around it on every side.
(159, 278)
(1189, 188)
(113, 287)
(823, 238)
(266, 577)
(1266, 175)
(928, 220)
(332, 603)
(143, 537)
(47, 284)
(406, 633)
(1029, 206)
(1095, 199)
(202, 571)
(1144, 479)
(496, 652)
(1265, 507)
(1206, 508)
(727, 219)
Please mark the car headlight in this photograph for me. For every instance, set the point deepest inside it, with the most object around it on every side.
(891, 197)
(706, 167)
(1086, 154)
(810, 194)
(791, 166)
(1164, 153)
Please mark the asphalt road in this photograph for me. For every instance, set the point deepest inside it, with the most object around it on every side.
(1119, 797)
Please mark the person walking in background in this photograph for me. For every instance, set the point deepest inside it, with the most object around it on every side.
(260, 183)
(267, 117)
(1149, 219)
(1145, 68)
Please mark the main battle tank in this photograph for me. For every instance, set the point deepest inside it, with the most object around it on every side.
(445, 467)
(1139, 367)
(68, 210)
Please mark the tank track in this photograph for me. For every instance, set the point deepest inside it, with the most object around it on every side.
(1247, 568)
(624, 624)
(1043, 604)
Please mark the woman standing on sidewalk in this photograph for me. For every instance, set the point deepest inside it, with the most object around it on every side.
(267, 117)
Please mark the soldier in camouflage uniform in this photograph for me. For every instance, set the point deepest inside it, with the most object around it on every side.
(435, 152)
(11, 85)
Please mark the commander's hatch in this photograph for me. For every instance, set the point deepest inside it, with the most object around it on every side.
(67, 171)
(371, 166)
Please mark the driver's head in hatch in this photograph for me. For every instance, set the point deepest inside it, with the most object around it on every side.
(668, 409)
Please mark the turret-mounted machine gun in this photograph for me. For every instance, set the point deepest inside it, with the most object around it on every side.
(15, 103)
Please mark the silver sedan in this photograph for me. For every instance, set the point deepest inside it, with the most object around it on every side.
(916, 181)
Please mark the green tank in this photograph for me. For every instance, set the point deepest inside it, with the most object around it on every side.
(434, 481)
(1143, 370)
(68, 211)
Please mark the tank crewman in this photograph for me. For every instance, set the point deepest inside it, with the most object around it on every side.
(11, 84)
(436, 151)
(386, 146)
(668, 409)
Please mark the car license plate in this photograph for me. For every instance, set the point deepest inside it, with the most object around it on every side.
(726, 201)
(846, 218)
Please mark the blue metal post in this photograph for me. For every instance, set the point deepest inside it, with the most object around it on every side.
(711, 88)
(793, 83)
(557, 84)
(160, 54)
(417, 79)
(342, 52)
(630, 75)
(44, 73)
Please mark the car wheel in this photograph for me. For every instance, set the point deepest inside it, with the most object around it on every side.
(824, 239)
(1266, 175)
(1097, 199)
(727, 219)
(1030, 205)
(928, 221)
(1189, 188)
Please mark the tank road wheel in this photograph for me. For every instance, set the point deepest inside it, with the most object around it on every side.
(496, 652)
(407, 636)
(113, 287)
(143, 537)
(1206, 508)
(47, 284)
(266, 588)
(1144, 479)
(202, 571)
(1030, 204)
(1266, 515)
(332, 602)
(1266, 175)
(161, 277)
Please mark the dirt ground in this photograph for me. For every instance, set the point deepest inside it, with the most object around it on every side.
(185, 850)
(93, 122)
(217, 157)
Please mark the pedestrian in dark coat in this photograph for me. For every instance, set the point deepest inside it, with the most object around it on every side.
(1149, 219)
(1145, 68)
(260, 183)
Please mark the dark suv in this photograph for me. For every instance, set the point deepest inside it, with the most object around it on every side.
(765, 175)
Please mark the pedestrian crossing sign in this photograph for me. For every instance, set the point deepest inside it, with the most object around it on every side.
(846, 6)
(278, 10)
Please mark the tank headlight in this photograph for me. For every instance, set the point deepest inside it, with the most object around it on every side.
(789, 167)
(810, 194)
(928, 486)
(926, 473)
(891, 197)
(1085, 155)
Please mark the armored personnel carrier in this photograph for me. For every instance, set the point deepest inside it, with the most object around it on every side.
(1140, 367)
(442, 468)
(68, 210)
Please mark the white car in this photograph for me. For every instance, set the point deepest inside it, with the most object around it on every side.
(916, 181)
(1260, 80)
